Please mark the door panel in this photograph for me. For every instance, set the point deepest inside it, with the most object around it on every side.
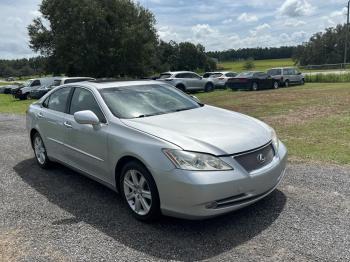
(51, 117)
(52, 132)
(86, 147)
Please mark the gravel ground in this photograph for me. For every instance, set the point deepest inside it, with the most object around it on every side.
(59, 215)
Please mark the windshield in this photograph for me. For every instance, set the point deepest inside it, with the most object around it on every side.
(274, 72)
(246, 74)
(164, 76)
(27, 83)
(146, 100)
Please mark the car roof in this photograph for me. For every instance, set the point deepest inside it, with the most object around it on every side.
(282, 68)
(113, 84)
(177, 72)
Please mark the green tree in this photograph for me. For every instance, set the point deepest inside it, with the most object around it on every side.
(95, 37)
(249, 64)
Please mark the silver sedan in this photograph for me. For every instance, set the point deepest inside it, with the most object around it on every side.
(165, 152)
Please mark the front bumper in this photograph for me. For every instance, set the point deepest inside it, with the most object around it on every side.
(199, 195)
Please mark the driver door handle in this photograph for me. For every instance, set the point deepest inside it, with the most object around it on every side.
(67, 124)
(40, 115)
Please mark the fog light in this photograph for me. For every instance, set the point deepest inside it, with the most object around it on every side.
(212, 205)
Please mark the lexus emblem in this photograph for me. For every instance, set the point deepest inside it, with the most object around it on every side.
(261, 158)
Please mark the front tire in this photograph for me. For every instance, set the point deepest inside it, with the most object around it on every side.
(276, 85)
(139, 191)
(40, 151)
(255, 86)
(181, 87)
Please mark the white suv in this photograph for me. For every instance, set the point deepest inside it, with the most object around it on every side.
(287, 76)
(187, 81)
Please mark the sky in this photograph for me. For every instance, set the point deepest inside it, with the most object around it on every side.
(218, 25)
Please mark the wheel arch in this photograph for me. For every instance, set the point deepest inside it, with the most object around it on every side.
(33, 131)
(121, 163)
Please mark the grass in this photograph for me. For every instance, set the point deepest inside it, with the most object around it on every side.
(312, 120)
(260, 65)
(328, 78)
(13, 106)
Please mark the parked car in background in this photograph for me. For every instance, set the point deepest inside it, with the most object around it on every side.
(253, 80)
(219, 78)
(68, 80)
(187, 81)
(287, 76)
(40, 92)
(163, 151)
(10, 79)
(32, 84)
(7, 89)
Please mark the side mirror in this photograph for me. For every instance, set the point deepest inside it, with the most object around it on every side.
(195, 99)
(299, 73)
(86, 117)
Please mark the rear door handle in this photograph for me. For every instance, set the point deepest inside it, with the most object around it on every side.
(40, 115)
(67, 124)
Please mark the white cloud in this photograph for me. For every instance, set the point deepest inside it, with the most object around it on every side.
(227, 21)
(263, 27)
(296, 8)
(294, 23)
(202, 31)
(248, 18)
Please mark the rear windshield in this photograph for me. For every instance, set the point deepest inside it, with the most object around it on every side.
(76, 80)
(246, 74)
(274, 72)
(164, 76)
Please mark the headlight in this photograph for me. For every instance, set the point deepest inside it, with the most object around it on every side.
(195, 161)
(275, 140)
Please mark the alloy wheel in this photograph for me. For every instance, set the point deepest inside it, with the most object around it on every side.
(137, 192)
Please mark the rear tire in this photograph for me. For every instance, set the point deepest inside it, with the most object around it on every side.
(286, 83)
(255, 86)
(139, 192)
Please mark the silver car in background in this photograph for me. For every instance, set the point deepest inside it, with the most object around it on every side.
(163, 151)
(287, 76)
(220, 78)
(187, 81)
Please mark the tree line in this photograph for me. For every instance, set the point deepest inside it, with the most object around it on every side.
(258, 53)
(22, 67)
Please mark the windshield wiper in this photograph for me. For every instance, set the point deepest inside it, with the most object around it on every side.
(183, 109)
(153, 114)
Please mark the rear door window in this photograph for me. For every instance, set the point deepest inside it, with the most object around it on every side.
(58, 100)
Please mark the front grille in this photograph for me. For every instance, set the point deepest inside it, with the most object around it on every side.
(257, 158)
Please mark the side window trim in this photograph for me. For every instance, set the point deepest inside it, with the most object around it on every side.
(97, 102)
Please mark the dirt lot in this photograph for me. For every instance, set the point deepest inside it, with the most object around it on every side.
(59, 215)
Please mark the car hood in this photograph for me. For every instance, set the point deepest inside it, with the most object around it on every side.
(206, 129)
